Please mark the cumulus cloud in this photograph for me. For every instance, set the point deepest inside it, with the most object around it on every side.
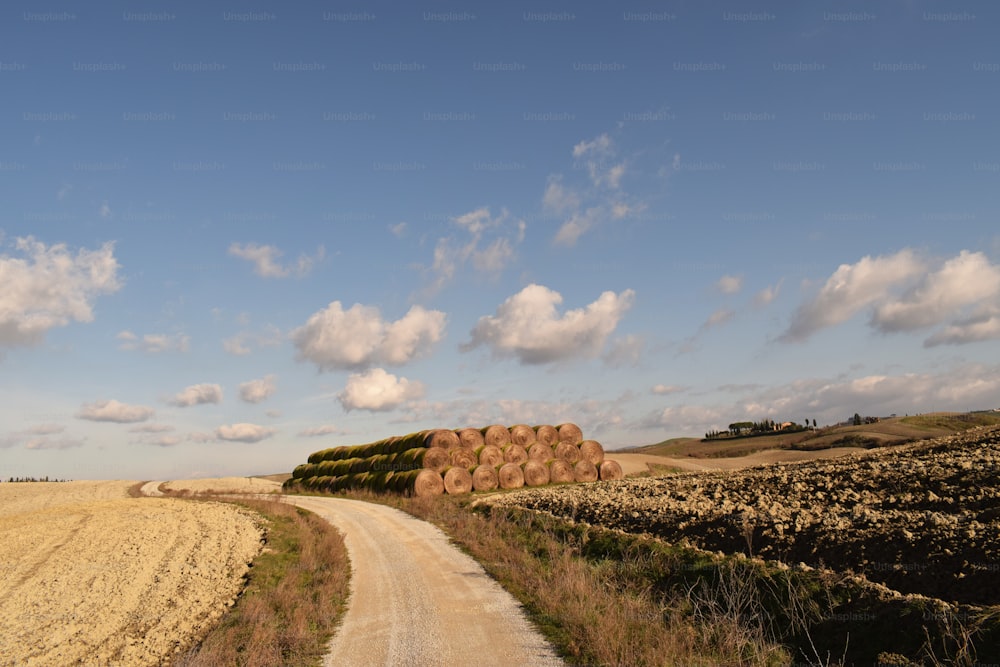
(966, 279)
(527, 326)
(908, 293)
(151, 428)
(729, 284)
(197, 394)
(850, 289)
(37, 437)
(358, 337)
(266, 260)
(154, 343)
(255, 391)
(317, 431)
(487, 244)
(240, 344)
(114, 411)
(398, 230)
(377, 391)
(243, 432)
(49, 286)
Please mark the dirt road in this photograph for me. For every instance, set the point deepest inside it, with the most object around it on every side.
(417, 600)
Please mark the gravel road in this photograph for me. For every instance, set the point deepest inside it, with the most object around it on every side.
(417, 600)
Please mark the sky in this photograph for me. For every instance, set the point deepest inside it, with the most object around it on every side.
(235, 233)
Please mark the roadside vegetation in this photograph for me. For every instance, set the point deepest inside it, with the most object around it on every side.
(295, 594)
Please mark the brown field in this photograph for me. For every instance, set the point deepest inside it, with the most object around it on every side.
(90, 575)
(223, 485)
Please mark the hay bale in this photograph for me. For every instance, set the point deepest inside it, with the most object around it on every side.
(515, 454)
(570, 433)
(540, 452)
(536, 473)
(585, 471)
(496, 435)
(522, 434)
(491, 455)
(592, 451)
(611, 470)
(510, 476)
(457, 481)
(568, 451)
(561, 472)
(442, 438)
(436, 459)
(463, 458)
(484, 478)
(470, 438)
(547, 434)
(427, 483)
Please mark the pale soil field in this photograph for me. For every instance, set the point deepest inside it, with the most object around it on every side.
(224, 485)
(639, 463)
(92, 576)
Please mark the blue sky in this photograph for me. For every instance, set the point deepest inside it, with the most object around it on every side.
(235, 234)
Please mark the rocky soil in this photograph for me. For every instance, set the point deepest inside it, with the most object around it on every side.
(921, 518)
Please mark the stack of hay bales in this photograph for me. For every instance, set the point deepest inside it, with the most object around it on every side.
(437, 461)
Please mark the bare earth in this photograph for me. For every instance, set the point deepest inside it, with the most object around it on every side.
(225, 485)
(417, 600)
(637, 463)
(91, 576)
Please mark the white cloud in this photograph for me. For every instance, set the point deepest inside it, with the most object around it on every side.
(154, 343)
(851, 288)
(527, 326)
(358, 337)
(317, 431)
(767, 295)
(600, 146)
(398, 230)
(239, 345)
(578, 224)
(966, 279)
(558, 199)
(718, 318)
(665, 389)
(151, 428)
(197, 394)
(729, 284)
(266, 258)
(46, 429)
(48, 443)
(243, 432)
(114, 411)
(255, 391)
(489, 257)
(49, 287)
(981, 326)
(376, 390)
(235, 346)
(105, 210)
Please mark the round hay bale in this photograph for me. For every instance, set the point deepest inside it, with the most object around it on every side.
(611, 470)
(442, 438)
(428, 483)
(540, 452)
(457, 481)
(471, 438)
(585, 471)
(510, 476)
(300, 470)
(548, 434)
(463, 458)
(522, 434)
(568, 451)
(491, 455)
(515, 454)
(592, 451)
(496, 435)
(570, 433)
(436, 459)
(484, 478)
(561, 472)
(536, 473)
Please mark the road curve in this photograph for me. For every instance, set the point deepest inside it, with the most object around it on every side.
(416, 599)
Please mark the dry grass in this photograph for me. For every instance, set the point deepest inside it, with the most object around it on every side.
(295, 594)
